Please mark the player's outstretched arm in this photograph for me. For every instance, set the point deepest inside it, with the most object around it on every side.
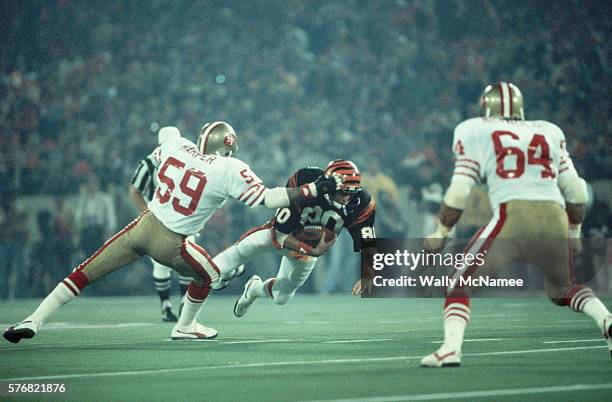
(284, 196)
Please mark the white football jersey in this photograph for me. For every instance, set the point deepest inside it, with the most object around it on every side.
(518, 159)
(193, 186)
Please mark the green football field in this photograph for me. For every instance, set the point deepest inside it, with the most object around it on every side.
(315, 348)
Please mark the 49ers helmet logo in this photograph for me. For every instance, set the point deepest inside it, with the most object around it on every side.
(230, 139)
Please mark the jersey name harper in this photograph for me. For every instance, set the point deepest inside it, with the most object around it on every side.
(357, 217)
(518, 159)
(193, 186)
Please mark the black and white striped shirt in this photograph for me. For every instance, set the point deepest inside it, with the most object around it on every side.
(145, 178)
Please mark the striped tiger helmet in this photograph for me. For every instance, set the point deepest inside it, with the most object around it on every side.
(218, 138)
(503, 99)
(351, 177)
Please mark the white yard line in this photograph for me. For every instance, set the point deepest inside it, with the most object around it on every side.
(277, 364)
(480, 394)
(361, 340)
(576, 341)
(475, 340)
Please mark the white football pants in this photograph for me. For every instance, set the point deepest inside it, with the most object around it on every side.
(294, 268)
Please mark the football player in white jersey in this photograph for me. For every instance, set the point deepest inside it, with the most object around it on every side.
(195, 180)
(141, 192)
(535, 193)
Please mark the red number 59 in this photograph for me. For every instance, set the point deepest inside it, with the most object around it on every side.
(193, 193)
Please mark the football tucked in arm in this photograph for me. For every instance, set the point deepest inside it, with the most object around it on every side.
(311, 235)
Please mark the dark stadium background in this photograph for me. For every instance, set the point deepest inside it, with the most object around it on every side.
(85, 85)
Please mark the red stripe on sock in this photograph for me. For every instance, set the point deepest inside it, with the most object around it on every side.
(270, 284)
(456, 315)
(70, 287)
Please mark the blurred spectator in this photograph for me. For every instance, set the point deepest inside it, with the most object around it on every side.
(13, 239)
(85, 84)
(95, 216)
(54, 248)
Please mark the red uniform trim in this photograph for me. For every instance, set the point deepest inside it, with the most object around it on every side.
(468, 160)
(510, 97)
(446, 317)
(193, 263)
(257, 196)
(74, 292)
(110, 241)
(501, 96)
(467, 167)
(491, 238)
(563, 170)
(201, 250)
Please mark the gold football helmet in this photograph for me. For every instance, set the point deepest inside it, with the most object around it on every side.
(503, 99)
(218, 138)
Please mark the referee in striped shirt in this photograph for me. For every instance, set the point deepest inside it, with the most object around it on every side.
(141, 191)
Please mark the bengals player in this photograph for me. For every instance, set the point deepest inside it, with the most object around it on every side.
(535, 193)
(349, 207)
(195, 180)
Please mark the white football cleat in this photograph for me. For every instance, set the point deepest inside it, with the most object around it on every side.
(225, 280)
(25, 329)
(438, 359)
(245, 300)
(198, 332)
(607, 328)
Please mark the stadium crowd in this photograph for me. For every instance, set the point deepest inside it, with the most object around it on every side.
(85, 85)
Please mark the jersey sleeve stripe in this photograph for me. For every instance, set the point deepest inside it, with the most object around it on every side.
(467, 167)
(258, 197)
(250, 190)
(564, 169)
(468, 175)
(468, 160)
(366, 213)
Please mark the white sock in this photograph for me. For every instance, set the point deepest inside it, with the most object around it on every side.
(260, 289)
(189, 314)
(56, 299)
(456, 318)
(595, 309)
(166, 303)
(454, 328)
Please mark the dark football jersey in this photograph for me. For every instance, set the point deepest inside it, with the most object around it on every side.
(357, 217)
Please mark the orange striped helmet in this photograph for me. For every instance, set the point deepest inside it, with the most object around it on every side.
(351, 177)
(503, 99)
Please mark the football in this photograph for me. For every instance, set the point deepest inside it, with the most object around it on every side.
(312, 234)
